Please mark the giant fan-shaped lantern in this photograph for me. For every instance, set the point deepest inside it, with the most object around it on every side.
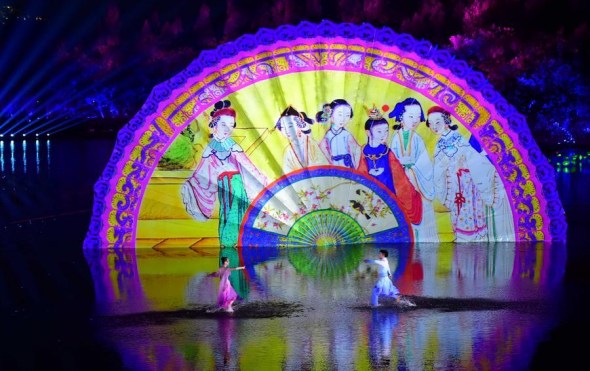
(325, 134)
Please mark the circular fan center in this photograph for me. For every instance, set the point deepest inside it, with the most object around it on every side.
(325, 228)
(326, 241)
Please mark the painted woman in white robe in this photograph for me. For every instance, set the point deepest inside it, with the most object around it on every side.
(408, 147)
(461, 176)
(500, 219)
(302, 150)
(339, 145)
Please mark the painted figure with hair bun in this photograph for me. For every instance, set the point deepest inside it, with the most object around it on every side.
(462, 178)
(379, 162)
(302, 151)
(338, 144)
(409, 148)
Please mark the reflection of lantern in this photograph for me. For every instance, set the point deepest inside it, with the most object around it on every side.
(276, 83)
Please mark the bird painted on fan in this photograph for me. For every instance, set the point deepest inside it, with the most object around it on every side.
(359, 207)
(358, 192)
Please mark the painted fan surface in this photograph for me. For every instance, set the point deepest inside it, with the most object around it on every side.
(321, 206)
(286, 176)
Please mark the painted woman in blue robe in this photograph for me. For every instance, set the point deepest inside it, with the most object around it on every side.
(379, 161)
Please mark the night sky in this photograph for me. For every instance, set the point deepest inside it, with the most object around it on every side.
(100, 59)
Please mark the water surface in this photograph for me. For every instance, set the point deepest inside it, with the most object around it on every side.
(500, 306)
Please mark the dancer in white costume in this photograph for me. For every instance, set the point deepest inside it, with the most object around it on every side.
(384, 286)
(408, 146)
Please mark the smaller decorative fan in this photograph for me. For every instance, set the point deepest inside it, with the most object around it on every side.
(324, 206)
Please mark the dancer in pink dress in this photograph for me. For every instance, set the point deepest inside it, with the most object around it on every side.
(227, 295)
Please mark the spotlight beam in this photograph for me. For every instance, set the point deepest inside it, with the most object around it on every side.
(63, 126)
(80, 95)
(59, 118)
(43, 43)
(47, 88)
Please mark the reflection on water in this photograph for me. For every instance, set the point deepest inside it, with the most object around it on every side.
(21, 156)
(464, 318)
(454, 327)
(28, 175)
(572, 169)
(571, 161)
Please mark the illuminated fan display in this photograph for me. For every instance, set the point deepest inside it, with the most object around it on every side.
(324, 134)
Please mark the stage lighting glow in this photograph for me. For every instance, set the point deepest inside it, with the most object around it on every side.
(36, 50)
(35, 111)
(48, 112)
(23, 110)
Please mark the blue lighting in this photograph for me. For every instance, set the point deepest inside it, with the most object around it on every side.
(25, 156)
(38, 91)
(25, 161)
(12, 164)
(37, 161)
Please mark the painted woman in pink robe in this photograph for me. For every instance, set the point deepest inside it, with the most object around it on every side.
(225, 172)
